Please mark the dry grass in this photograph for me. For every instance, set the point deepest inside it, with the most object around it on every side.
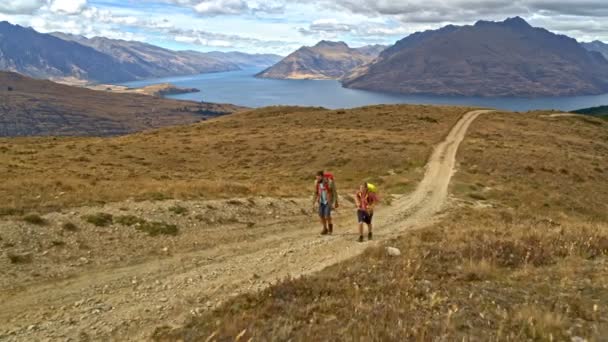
(461, 280)
(271, 151)
(523, 255)
(534, 164)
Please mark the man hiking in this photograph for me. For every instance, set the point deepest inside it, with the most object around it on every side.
(365, 201)
(326, 197)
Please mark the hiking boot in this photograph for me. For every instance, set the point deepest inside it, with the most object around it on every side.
(360, 238)
(324, 231)
(331, 229)
(369, 235)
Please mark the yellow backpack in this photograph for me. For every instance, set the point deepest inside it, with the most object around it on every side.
(372, 188)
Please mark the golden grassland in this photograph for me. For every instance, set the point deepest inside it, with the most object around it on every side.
(271, 151)
(520, 255)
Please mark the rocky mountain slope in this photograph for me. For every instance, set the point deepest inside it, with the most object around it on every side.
(598, 46)
(152, 61)
(72, 58)
(509, 58)
(326, 60)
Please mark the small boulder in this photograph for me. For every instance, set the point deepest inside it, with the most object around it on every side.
(392, 251)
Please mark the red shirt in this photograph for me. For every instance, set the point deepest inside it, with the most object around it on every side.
(365, 200)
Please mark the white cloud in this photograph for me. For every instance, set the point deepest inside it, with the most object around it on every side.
(281, 26)
(68, 6)
(219, 7)
(21, 6)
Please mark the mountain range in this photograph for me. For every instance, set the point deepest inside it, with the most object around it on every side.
(597, 46)
(326, 60)
(494, 59)
(60, 56)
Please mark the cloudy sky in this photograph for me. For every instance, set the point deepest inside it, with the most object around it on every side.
(280, 26)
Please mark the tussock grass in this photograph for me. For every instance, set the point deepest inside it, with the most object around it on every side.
(269, 151)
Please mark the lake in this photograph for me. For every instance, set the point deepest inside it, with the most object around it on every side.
(242, 88)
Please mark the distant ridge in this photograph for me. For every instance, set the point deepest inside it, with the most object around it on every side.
(325, 60)
(509, 58)
(65, 57)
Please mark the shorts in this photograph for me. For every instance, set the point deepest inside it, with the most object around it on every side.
(324, 210)
(364, 217)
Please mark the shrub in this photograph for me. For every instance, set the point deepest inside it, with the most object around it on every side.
(427, 119)
(69, 226)
(154, 196)
(178, 209)
(129, 220)
(99, 219)
(58, 243)
(10, 211)
(34, 219)
(20, 258)
(158, 228)
(477, 196)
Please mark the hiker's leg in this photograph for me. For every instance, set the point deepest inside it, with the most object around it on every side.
(330, 224)
(360, 228)
(322, 215)
(369, 226)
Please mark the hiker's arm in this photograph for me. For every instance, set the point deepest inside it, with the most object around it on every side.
(334, 194)
(315, 196)
(372, 204)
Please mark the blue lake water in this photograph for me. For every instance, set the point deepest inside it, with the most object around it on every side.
(242, 88)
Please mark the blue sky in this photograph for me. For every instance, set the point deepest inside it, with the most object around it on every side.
(280, 26)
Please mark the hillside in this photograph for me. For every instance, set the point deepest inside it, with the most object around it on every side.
(597, 46)
(509, 58)
(149, 61)
(39, 55)
(520, 254)
(245, 60)
(238, 155)
(599, 111)
(34, 107)
(77, 59)
(170, 234)
(326, 60)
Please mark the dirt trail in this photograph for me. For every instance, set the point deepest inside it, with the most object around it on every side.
(127, 303)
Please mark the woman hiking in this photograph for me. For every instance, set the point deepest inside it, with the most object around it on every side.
(365, 201)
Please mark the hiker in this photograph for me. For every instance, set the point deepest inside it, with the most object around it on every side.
(326, 197)
(365, 201)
